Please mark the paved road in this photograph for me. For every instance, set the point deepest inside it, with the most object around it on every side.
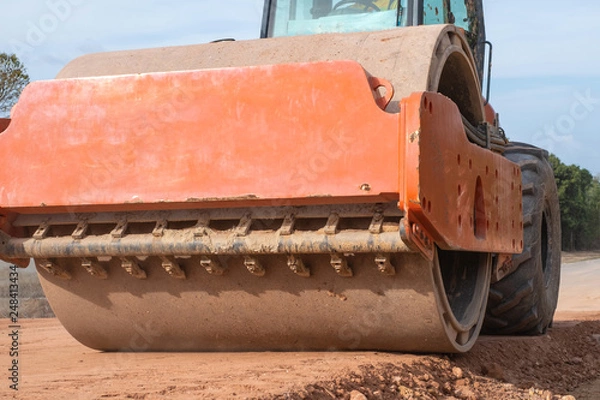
(580, 287)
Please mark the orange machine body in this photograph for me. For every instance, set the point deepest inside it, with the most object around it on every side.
(297, 134)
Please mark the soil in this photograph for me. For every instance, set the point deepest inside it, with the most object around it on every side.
(563, 364)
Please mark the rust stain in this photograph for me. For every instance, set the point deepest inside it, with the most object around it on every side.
(213, 199)
(414, 136)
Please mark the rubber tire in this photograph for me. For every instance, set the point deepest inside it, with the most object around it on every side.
(524, 302)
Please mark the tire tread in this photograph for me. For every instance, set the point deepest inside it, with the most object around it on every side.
(522, 303)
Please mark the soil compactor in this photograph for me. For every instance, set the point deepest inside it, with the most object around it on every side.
(338, 184)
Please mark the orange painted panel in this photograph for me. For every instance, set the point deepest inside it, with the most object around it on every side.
(458, 195)
(294, 132)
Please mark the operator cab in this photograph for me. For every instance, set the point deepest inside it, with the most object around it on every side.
(304, 17)
(308, 17)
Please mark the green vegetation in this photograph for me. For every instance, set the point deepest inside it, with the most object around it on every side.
(579, 197)
(13, 79)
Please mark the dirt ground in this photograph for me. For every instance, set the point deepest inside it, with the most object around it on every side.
(563, 363)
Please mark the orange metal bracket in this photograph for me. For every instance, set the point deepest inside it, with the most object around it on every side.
(457, 195)
(383, 99)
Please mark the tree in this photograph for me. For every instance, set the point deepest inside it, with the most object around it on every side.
(593, 201)
(579, 198)
(13, 79)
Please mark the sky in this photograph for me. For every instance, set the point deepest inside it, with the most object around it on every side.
(546, 73)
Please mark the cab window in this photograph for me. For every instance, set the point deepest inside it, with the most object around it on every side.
(304, 17)
(455, 12)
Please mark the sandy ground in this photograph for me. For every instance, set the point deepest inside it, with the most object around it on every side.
(578, 256)
(566, 361)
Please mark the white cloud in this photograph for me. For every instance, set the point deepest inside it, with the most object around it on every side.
(549, 38)
(548, 97)
(46, 34)
(560, 115)
(532, 38)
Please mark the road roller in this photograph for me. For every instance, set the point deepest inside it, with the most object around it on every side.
(341, 183)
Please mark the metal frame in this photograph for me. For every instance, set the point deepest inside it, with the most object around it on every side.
(415, 9)
(212, 243)
(266, 20)
(435, 213)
